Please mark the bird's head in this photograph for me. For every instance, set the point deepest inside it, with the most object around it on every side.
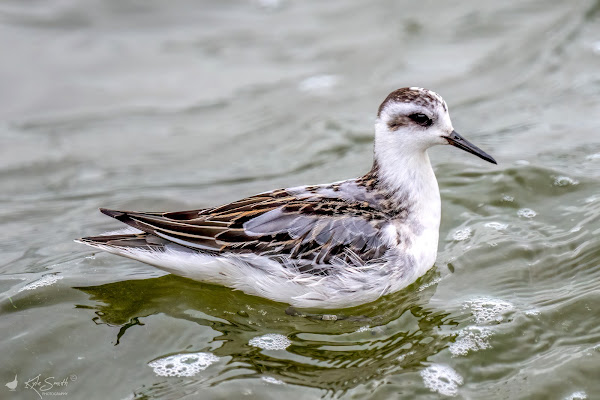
(413, 119)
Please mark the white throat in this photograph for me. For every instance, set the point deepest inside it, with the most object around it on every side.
(407, 173)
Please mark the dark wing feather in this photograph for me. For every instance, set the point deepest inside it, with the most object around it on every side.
(273, 224)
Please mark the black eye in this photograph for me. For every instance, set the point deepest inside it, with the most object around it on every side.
(421, 119)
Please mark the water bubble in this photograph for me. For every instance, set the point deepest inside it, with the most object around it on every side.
(473, 338)
(183, 364)
(526, 213)
(43, 281)
(496, 225)
(565, 181)
(580, 395)
(442, 379)
(487, 309)
(365, 328)
(270, 341)
(462, 234)
(508, 198)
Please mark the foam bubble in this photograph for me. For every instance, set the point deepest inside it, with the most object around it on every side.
(496, 225)
(565, 181)
(462, 234)
(43, 281)
(270, 341)
(365, 328)
(442, 379)
(487, 309)
(526, 213)
(270, 379)
(581, 395)
(188, 364)
(473, 338)
(508, 198)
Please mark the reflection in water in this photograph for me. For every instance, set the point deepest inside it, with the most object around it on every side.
(364, 343)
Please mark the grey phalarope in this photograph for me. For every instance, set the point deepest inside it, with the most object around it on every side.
(328, 246)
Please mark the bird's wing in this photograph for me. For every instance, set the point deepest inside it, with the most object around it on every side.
(316, 229)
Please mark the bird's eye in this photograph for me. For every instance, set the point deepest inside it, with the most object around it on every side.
(421, 119)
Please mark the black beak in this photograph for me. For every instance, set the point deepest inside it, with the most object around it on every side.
(458, 141)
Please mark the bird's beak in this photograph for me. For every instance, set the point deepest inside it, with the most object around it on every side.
(458, 141)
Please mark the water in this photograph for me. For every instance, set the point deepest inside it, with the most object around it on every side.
(165, 106)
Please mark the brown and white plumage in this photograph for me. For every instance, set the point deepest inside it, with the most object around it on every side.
(326, 246)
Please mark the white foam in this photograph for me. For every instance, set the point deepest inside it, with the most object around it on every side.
(472, 339)
(496, 225)
(526, 213)
(462, 234)
(365, 328)
(508, 198)
(442, 379)
(188, 364)
(595, 156)
(565, 181)
(580, 395)
(43, 281)
(270, 379)
(487, 309)
(270, 341)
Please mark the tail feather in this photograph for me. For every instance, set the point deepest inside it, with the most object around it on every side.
(124, 217)
(142, 240)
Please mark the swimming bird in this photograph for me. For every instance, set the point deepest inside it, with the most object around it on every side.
(327, 246)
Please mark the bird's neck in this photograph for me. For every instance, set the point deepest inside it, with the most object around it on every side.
(407, 179)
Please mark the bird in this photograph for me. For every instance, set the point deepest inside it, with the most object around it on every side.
(329, 246)
(12, 385)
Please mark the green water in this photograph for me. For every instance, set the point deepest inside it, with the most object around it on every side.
(168, 106)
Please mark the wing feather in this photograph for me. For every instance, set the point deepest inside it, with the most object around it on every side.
(317, 228)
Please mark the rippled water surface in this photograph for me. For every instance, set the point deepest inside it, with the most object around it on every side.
(177, 105)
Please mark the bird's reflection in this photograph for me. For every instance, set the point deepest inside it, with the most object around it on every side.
(336, 352)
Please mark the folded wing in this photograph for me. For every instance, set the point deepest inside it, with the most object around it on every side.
(275, 224)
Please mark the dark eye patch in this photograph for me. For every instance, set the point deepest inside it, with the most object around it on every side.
(421, 119)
